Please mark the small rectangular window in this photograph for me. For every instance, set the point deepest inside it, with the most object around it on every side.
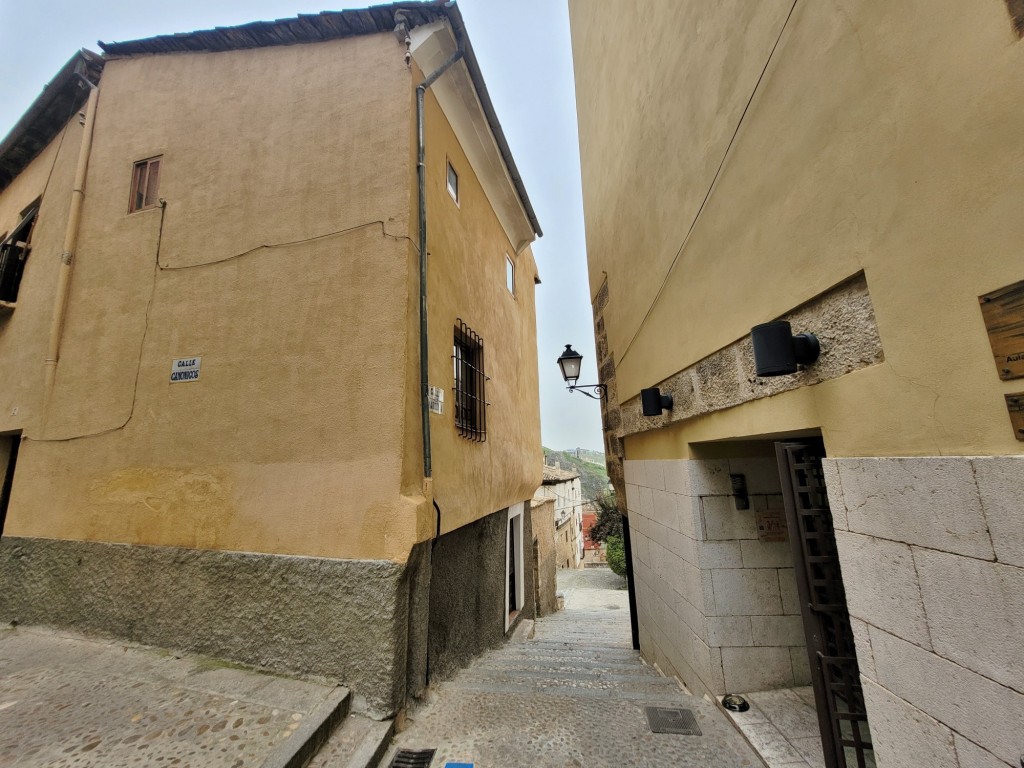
(453, 183)
(510, 275)
(470, 381)
(145, 185)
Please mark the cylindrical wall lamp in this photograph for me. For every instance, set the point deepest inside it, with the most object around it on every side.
(777, 352)
(652, 402)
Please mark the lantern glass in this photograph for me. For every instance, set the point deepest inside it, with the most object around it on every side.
(569, 361)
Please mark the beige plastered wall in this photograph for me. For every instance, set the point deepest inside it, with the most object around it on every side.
(24, 331)
(467, 247)
(294, 438)
(882, 138)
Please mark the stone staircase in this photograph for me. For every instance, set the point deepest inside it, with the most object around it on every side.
(574, 695)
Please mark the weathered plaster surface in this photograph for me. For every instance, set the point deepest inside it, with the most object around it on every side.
(467, 592)
(341, 619)
(542, 520)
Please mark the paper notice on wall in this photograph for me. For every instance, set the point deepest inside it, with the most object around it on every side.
(436, 399)
(771, 523)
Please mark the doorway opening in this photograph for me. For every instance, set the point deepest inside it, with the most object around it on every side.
(790, 653)
(514, 577)
(9, 445)
(835, 676)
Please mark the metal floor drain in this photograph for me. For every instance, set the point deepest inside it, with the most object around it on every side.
(672, 720)
(412, 758)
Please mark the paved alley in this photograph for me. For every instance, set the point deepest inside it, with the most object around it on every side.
(68, 701)
(574, 695)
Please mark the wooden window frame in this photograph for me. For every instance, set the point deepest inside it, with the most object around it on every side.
(145, 191)
(450, 171)
(510, 274)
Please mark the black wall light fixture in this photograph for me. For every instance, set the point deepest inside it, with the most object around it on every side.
(777, 352)
(653, 402)
(569, 362)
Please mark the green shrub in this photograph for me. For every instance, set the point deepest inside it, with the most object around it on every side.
(616, 554)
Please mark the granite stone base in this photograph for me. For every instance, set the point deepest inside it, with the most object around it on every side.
(345, 620)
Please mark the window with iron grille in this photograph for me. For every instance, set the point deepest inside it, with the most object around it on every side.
(145, 185)
(470, 380)
(14, 251)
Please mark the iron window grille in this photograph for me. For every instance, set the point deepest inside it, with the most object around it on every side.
(14, 251)
(470, 384)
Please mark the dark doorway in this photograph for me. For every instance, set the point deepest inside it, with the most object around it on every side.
(511, 570)
(842, 716)
(9, 445)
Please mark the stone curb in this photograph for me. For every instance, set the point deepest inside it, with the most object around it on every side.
(314, 731)
(373, 746)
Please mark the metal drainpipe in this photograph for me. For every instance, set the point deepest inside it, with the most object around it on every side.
(421, 173)
(70, 244)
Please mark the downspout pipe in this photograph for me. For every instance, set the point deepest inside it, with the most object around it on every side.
(70, 243)
(421, 174)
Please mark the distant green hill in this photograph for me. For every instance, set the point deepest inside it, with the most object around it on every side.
(593, 474)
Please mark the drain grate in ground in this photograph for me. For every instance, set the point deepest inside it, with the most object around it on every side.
(672, 720)
(412, 758)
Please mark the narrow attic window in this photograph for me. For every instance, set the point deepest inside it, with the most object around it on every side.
(145, 184)
(510, 274)
(453, 183)
(14, 251)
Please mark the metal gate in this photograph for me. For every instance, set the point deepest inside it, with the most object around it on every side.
(842, 716)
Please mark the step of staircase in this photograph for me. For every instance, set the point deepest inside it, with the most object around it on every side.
(358, 742)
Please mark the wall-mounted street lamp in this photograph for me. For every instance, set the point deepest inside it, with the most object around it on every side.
(777, 352)
(569, 362)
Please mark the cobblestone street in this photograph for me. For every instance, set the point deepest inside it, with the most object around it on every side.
(574, 695)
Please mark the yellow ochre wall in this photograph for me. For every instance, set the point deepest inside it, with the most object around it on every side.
(23, 332)
(293, 439)
(884, 137)
(466, 249)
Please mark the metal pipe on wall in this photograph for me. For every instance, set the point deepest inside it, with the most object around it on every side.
(70, 244)
(421, 174)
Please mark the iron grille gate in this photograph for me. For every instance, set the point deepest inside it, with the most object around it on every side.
(842, 716)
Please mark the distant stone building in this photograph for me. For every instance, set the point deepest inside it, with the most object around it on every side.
(563, 487)
(593, 551)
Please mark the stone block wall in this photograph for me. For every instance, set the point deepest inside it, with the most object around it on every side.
(932, 553)
(718, 607)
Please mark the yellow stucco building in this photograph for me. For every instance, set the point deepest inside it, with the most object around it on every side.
(855, 525)
(214, 380)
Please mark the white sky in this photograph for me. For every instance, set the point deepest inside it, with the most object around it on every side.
(524, 51)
